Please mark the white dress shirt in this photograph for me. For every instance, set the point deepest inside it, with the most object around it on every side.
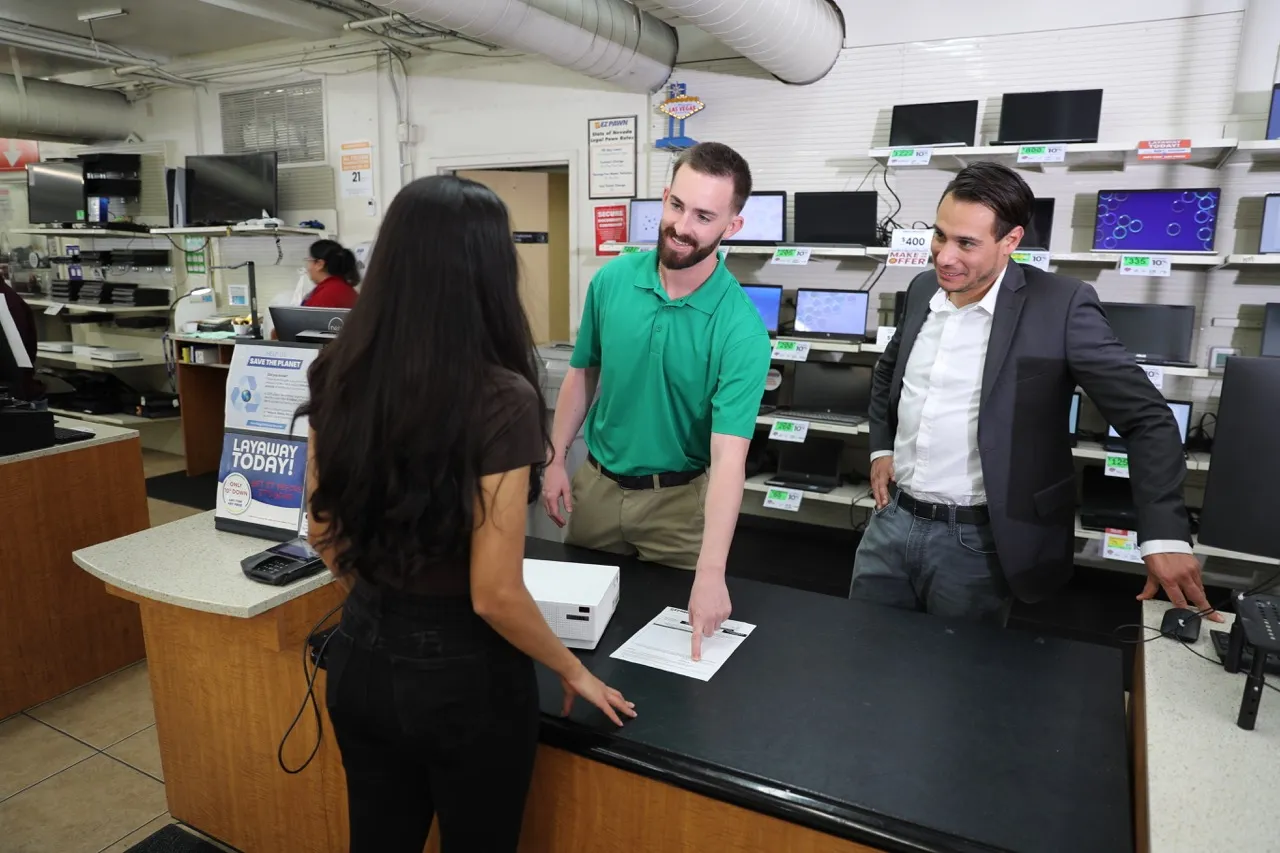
(935, 451)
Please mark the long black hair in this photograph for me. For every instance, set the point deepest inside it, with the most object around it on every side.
(337, 260)
(398, 399)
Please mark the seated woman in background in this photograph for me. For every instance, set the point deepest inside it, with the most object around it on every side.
(333, 269)
(427, 438)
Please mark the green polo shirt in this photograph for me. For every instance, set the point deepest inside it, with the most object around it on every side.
(672, 372)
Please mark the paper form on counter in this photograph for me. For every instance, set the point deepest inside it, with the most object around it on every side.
(666, 643)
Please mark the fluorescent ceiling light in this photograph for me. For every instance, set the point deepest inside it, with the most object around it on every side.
(254, 8)
(105, 14)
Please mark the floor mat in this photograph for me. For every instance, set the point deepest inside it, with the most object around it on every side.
(173, 839)
(199, 492)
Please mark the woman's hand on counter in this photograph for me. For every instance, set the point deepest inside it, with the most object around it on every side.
(582, 683)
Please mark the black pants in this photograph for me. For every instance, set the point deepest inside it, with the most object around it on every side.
(435, 714)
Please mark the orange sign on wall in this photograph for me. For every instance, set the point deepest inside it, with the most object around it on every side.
(15, 154)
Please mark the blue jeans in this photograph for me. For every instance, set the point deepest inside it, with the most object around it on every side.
(943, 567)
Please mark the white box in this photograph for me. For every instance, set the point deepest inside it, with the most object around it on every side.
(576, 599)
(55, 346)
(112, 354)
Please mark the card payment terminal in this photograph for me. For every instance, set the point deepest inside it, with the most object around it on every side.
(284, 563)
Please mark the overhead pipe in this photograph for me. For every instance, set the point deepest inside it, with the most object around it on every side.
(798, 41)
(58, 112)
(609, 40)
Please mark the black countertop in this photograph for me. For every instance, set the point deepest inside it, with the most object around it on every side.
(897, 730)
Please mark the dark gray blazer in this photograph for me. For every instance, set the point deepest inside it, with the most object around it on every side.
(1049, 334)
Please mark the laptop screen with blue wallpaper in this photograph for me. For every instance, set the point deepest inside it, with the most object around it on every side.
(768, 301)
(1273, 119)
(1184, 220)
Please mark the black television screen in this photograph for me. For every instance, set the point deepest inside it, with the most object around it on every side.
(948, 123)
(230, 188)
(1071, 116)
(836, 217)
(55, 192)
(1153, 331)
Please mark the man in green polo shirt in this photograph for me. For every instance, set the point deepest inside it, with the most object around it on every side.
(679, 355)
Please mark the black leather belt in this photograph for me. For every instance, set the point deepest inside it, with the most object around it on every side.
(942, 512)
(647, 481)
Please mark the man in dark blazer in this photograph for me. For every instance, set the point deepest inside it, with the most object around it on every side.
(971, 467)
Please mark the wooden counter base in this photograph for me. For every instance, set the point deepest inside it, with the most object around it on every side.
(58, 628)
(225, 690)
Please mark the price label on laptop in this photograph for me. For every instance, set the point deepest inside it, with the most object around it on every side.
(789, 430)
(1117, 465)
(911, 239)
(1121, 545)
(1032, 259)
(884, 334)
(910, 156)
(904, 258)
(1155, 265)
(784, 499)
(791, 256)
(1156, 375)
(1042, 153)
(791, 350)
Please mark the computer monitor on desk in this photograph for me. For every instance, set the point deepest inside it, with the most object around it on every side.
(299, 324)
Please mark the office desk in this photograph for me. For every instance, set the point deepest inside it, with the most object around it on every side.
(58, 627)
(1203, 783)
(835, 727)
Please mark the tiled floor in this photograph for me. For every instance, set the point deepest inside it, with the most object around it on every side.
(81, 773)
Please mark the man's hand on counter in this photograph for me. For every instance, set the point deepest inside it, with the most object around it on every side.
(1179, 576)
(709, 606)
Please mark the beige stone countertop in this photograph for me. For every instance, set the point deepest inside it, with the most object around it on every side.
(102, 434)
(189, 564)
(1211, 785)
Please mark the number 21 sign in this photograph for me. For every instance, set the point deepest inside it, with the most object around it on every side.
(357, 169)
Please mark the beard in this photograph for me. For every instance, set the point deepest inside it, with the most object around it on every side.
(668, 254)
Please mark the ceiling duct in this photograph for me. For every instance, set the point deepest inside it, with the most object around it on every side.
(609, 40)
(798, 41)
(56, 112)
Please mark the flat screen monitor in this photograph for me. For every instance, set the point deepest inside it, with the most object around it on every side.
(947, 123)
(230, 188)
(646, 216)
(1073, 419)
(764, 220)
(1270, 241)
(1178, 221)
(838, 389)
(1246, 461)
(55, 192)
(1153, 332)
(1273, 117)
(768, 301)
(1271, 330)
(1181, 413)
(1063, 116)
(1037, 236)
(836, 217)
(299, 324)
(831, 313)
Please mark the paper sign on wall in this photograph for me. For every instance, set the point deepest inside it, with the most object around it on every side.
(611, 157)
(357, 169)
(265, 386)
(1164, 149)
(611, 227)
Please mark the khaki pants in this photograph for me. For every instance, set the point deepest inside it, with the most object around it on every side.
(657, 525)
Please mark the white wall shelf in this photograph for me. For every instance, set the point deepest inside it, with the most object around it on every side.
(79, 232)
(1210, 153)
(1243, 261)
(242, 231)
(98, 363)
(1256, 151)
(1113, 259)
(846, 494)
(1203, 550)
(1196, 460)
(825, 346)
(115, 418)
(86, 308)
(815, 426)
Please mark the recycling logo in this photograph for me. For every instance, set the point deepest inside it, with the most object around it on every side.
(244, 396)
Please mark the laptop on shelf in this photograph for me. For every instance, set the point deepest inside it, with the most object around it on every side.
(1158, 335)
(1173, 221)
(831, 315)
(934, 125)
(1035, 118)
(811, 466)
(645, 218)
(830, 393)
(836, 220)
(768, 301)
(1181, 413)
(764, 220)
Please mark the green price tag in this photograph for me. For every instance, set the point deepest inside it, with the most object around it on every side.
(785, 253)
(1137, 260)
(1034, 149)
(630, 250)
(777, 495)
(785, 346)
(784, 426)
(903, 152)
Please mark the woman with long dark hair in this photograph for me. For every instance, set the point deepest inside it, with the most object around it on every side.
(333, 270)
(427, 433)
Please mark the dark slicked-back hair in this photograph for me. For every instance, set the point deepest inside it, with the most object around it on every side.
(997, 188)
(719, 161)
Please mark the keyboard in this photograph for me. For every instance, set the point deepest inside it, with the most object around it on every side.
(1221, 641)
(63, 435)
(825, 417)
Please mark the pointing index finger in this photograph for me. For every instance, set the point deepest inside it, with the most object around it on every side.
(697, 643)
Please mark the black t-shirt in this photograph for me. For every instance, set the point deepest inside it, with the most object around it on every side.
(512, 421)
